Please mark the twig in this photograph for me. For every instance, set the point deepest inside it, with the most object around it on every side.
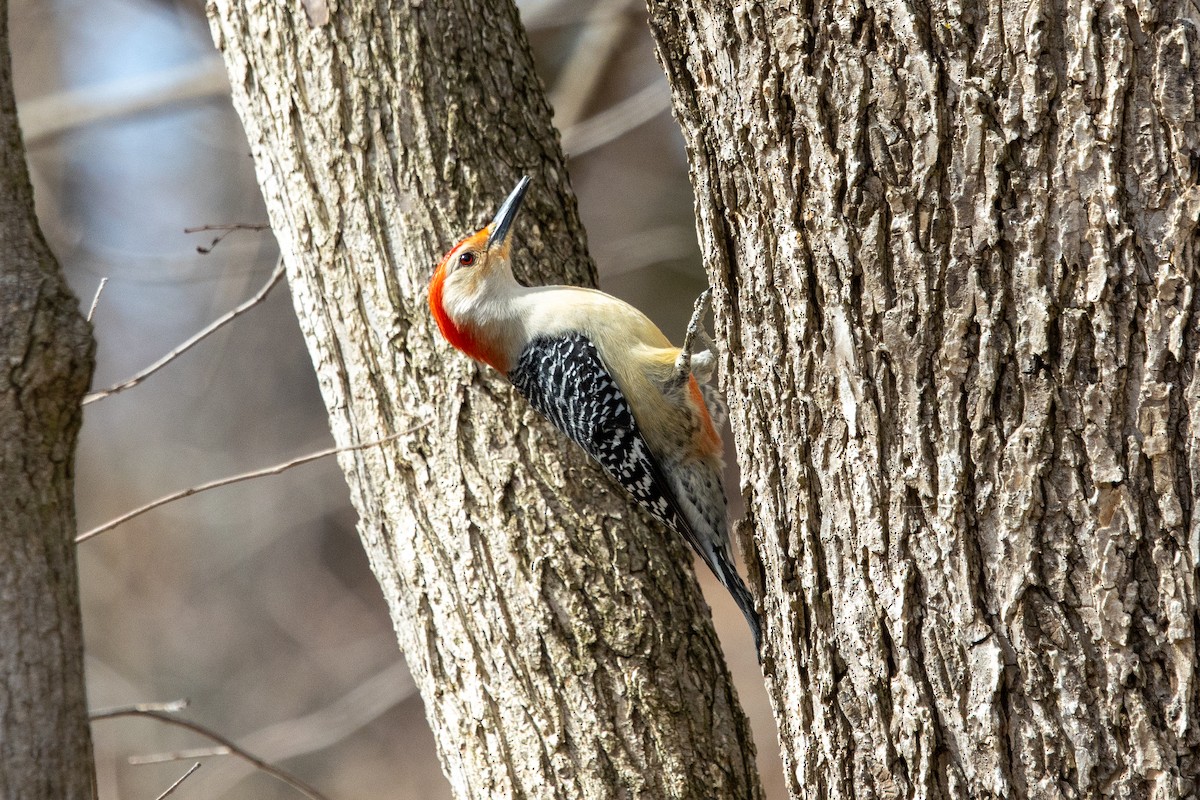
(596, 42)
(226, 230)
(614, 122)
(544, 15)
(162, 716)
(139, 708)
(275, 277)
(179, 755)
(96, 299)
(245, 476)
(230, 226)
(327, 726)
(182, 778)
(323, 728)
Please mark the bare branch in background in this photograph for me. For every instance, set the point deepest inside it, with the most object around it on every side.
(323, 728)
(225, 231)
(245, 476)
(49, 116)
(547, 16)
(665, 243)
(275, 277)
(614, 122)
(140, 708)
(182, 778)
(180, 755)
(155, 711)
(96, 298)
(598, 39)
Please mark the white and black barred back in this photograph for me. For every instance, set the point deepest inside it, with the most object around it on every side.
(564, 378)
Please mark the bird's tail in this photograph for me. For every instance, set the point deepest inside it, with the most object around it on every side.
(726, 573)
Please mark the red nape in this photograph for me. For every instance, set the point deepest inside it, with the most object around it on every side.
(461, 337)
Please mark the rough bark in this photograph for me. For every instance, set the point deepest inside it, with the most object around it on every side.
(559, 645)
(954, 250)
(47, 351)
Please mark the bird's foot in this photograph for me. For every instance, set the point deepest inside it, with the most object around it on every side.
(701, 363)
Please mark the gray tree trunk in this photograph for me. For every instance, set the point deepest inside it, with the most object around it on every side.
(46, 348)
(954, 248)
(558, 640)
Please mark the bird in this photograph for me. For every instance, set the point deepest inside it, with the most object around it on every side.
(606, 376)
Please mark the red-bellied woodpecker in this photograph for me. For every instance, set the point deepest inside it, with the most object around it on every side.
(606, 376)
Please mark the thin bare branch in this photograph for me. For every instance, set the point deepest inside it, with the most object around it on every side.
(275, 277)
(180, 755)
(614, 122)
(96, 299)
(595, 44)
(225, 231)
(147, 710)
(139, 708)
(320, 729)
(245, 476)
(182, 778)
(340, 719)
(556, 15)
(229, 226)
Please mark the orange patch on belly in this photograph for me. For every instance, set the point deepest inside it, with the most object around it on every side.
(710, 440)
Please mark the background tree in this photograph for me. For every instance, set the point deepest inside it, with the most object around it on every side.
(558, 645)
(959, 237)
(954, 248)
(47, 349)
(256, 601)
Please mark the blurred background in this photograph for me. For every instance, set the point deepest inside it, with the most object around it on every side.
(255, 601)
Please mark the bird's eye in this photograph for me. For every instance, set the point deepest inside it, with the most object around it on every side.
(467, 259)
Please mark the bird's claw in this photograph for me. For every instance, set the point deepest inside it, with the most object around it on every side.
(704, 362)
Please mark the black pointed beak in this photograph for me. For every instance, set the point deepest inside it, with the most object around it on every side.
(508, 212)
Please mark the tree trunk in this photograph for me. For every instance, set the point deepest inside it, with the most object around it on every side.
(557, 639)
(954, 250)
(47, 351)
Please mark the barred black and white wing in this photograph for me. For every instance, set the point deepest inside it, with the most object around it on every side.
(565, 380)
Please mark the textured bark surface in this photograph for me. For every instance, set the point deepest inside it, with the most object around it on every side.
(954, 248)
(560, 648)
(46, 348)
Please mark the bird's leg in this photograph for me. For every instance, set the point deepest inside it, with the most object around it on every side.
(704, 362)
(688, 361)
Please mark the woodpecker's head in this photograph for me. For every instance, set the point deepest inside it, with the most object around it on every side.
(473, 281)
